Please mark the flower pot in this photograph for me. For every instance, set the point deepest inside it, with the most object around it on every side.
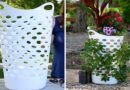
(110, 43)
(84, 77)
(25, 42)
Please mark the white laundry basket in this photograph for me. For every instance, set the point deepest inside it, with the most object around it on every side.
(25, 41)
(110, 43)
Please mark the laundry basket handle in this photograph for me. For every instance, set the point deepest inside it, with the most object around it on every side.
(92, 32)
(48, 4)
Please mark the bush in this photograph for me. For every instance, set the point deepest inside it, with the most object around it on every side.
(125, 4)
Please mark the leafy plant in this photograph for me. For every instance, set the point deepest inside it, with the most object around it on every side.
(106, 63)
(125, 4)
(96, 10)
(112, 24)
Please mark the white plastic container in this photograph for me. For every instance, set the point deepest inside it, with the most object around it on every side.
(25, 41)
(109, 43)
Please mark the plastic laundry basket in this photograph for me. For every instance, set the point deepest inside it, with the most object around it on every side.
(110, 43)
(25, 42)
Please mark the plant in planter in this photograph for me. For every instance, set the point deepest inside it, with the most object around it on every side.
(106, 65)
(109, 32)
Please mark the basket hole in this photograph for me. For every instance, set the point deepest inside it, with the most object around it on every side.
(1, 6)
(39, 24)
(41, 63)
(107, 42)
(28, 42)
(42, 46)
(115, 43)
(4, 21)
(42, 55)
(38, 42)
(45, 60)
(33, 46)
(46, 42)
(91, 33)
(44, 28)
(28, 24)
(19, 17)
(48, 7)
(118, 40)
(22, 28)
(28, 51)
(112, 40)
(8, 16)
(6, 69)
(23, 46)
(4, 30)
(20, 57)
(30, 57)
(17, 42)
(34, 37)
(34, 28)
(31, 17)
(33, 55)
(13, 21)
(25, 21)
(39, 33)
(1, 26)
(111, 46)
(25, 62)
(8, 25)
(19, 26)
(104, 40)
(28, 33)
(22, 37)
(42, 37)
(38, 51)
(45, 51)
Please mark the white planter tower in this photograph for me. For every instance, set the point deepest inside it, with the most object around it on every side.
(25, 37)
(110, 43)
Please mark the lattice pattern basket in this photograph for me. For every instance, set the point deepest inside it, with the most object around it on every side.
(110, 43)
(25, 41)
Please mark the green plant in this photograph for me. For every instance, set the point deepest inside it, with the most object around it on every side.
(96, 10)
(112, 23)
(125, 4)
(106, 63)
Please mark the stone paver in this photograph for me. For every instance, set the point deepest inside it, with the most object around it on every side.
(50, 86)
